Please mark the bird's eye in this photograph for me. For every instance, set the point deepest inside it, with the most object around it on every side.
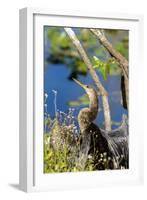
(87, 86)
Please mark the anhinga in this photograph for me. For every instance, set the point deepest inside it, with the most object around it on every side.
(100, 142)
(108, 149)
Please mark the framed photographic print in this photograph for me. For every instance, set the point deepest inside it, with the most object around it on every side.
(80, 125)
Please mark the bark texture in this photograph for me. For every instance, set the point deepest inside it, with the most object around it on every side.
(94, 76)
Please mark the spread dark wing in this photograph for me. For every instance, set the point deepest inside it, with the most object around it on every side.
(118, 141)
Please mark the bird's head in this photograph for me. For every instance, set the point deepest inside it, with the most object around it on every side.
(89, 89)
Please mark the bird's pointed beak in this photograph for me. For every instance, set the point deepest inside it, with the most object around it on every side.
(79, 83)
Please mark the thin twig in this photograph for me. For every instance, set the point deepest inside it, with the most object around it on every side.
(94, 76)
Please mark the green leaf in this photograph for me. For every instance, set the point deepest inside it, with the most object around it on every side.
(104, 72)
(103, 67)
(98, 63)
(95, 59)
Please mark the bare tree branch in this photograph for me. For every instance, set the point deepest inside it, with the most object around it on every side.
(123, 62)
(94, 76)
(121, 59)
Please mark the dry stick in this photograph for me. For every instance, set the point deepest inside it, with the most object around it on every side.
(123, 62)
(94, 76)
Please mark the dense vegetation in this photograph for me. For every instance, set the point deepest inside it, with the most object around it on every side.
(65, 159)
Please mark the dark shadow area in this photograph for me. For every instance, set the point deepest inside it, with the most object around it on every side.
(15, 186)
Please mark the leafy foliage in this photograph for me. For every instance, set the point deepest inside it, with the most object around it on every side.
(56, 161)
(59, 40)
(62, 145)
(61, 49)
(103, 67)
(106, 67)
(66, 161)
(63, 160)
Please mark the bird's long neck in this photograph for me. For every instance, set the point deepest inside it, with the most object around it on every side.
(88, 115)
(93, 102)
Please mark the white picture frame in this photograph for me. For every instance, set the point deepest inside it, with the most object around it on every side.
(31, 100)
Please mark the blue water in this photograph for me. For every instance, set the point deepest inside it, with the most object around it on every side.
(56, 78)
